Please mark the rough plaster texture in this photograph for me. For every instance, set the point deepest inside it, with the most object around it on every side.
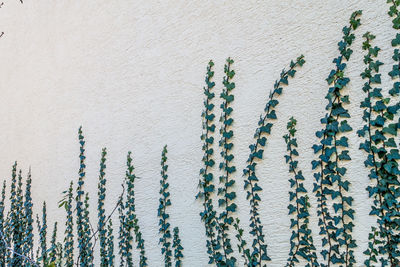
(131, 72)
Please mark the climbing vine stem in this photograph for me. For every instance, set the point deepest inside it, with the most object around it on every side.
(378, 133)
(164, 203)
(301, 241)
(206, 185)
(225, 191)
(101, 211)
(259, 253)
(336, 223)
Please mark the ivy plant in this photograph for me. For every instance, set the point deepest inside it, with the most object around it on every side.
(101, 211)
(82, 211)
(378, 134)
(227, 195)
(167, 244)
(301, 241)
(3, 251)
(110, 244)
(259, 253)
(206, 185)
(331, 185)
(28, 217)
(53, 243)
(164, 202)
(129, 221)
(178, 248)
(42, 229)
(69, 229)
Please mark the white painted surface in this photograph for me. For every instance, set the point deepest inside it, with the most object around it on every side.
(131, 72)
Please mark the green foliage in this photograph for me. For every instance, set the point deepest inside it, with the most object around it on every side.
(394, 13)
(129, 221)
(206, 185)
(42, 229)
(101, 211)
(82, 209)
(53, 243)
(165, 239)
(378, 134)
(28, 217)
(130, 211)
(227, 195)
(110, 244)
(218, 226)
(17, 220)
(301, 241)
(331, 187)
(164, 230)
(122, 248)
(88, 233)
(259, 253)
(178, 249)
(16, 232)
(2, 226)
(242, 244)
(69, 229)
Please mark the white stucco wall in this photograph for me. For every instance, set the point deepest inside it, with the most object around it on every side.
(132, 72)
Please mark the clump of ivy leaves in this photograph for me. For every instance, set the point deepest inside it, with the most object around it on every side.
(82, 210)
(301, 241)
(165, 239)
(129, 222)
(259, 255)
(164, 230)
(206, 186)
(218, 225)
(69, 227)
(330, 183)
(379, 131)
(227, 182)
(218, 242)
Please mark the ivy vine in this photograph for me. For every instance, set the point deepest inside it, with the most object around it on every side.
(28, 217)
(82, 209)
(301, 241)
(259, 253)
(129, 222)
(206, 185)
(101, 211)
(42, 229)
(69, 229)
(330, 185)
(335, 213)
(227, 195)
(165, 239)
(178, 248)
(379, 133)
(3, 251)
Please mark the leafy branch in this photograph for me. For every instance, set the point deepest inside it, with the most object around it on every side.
(301, 241)
(259, 252)
(378, 133)
(330, 179)
(206, 186)
(178, 249)
(227, 195)
(165, 239)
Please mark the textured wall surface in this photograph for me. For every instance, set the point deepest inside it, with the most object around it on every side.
(131, 73)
